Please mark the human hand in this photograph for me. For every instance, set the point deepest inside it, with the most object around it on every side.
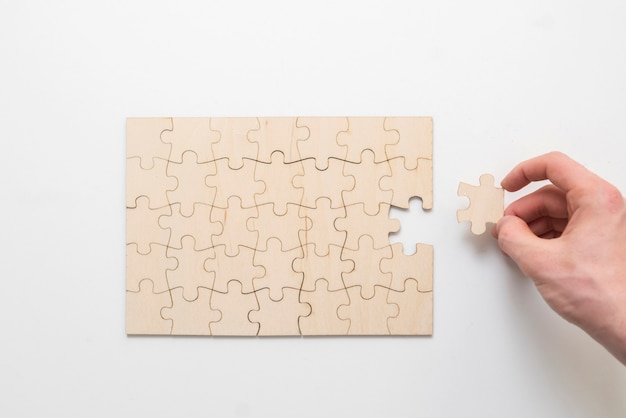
(569, 237)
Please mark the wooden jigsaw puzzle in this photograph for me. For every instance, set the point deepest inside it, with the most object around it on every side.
(276, 226)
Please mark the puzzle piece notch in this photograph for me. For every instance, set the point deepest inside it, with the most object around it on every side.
(190, 134)
(142, 225)
(143, 310)
(190, 274)
(191, 317)
(417, 266)
(486, 204)
(357, 223)
(143, 140)
(367, 133)
(415, 139)
(278, 134)
(366, 273)
(279, 318)
(291, 223)
(368, 316)
(320, 226)
(277, 179)
(153, 183)
(324, 303)
(405, 184)
(367, 188)
(198, 225)
(233, 144)
(415, 316)
(152, 266)
(234, 230)
(228, 268)
(328, 183)
(234, 306)
(229, 182)
(320, 142)
(328, 267)
(278, 272)
(192, 187)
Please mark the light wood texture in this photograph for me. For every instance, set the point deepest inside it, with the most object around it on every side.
(275, 226)
(486, 204)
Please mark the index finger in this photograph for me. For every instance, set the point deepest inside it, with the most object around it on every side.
(562, 171)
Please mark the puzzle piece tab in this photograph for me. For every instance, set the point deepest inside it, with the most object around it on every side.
(486, 204)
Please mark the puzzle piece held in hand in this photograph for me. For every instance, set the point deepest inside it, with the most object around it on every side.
(486, 204)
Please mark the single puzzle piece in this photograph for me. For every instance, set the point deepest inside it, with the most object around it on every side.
(234, 232)
(234, 305)
(277, 134)
(143, 310)
(416, 310)
(279, 318)
(329, 183)
(329, 267)
(368, 316)
(366, 133)
(366, 272)
(277, 177)
(198, 225)
(153, 183)
(417, 266)
(190, 134)
(278, 272)
(189, 273)
(192, 187)
(486, 204)
(406, 184)
(416, 139)
(367, 190)
(191, 318)
(142, 225)
(152, 266)
(320, 226)
(234, 145)
(320, 141)
(229, 182)
(143, 139)
(324, 303)
(290, 224)
(239, 267)
(357, 223)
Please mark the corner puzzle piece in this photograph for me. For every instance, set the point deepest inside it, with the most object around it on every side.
(143, 310)
(191, 318)
(417, 266)
(415, 315)
(324, 303)
(486, 204)
(143, 139)
(234, 306)
(279, 318)
(368, 316)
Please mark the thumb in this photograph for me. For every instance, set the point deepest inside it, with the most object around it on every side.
(518, 242)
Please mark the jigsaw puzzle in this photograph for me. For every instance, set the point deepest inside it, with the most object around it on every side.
(276, 226)
(486, 204)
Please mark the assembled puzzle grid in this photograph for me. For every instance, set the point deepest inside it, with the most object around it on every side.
(275, 226)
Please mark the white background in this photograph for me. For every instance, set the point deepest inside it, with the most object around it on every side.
(504, 81)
